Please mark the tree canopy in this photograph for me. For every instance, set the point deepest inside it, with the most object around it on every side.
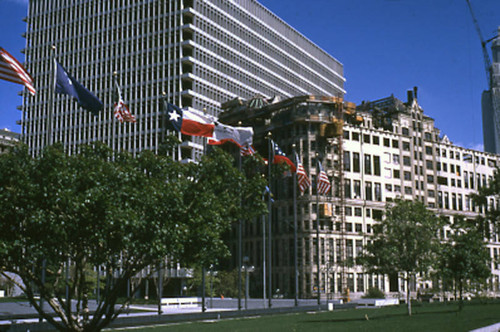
(113, 210)
(463, 258)
(403, 242)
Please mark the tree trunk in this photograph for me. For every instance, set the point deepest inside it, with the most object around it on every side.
(408, 300)
(460, 290)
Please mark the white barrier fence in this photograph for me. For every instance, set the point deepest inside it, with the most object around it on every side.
(180, 302)
(377, 302)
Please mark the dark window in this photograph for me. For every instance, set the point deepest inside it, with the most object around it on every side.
(378, 192)
(405, 131)
(368, 191)
(347, 161)
(442, 180)
(347, 188)
(348, 211)
(407, 176)
(375, 140)
(355, 136)
(366, 139)
(387, 142)
(357, 189)
(376, 165)
(355, 162)
(368, 164)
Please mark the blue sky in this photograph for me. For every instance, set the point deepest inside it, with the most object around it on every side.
(386, 47)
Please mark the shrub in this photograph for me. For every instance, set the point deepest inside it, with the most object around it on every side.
(374, 293)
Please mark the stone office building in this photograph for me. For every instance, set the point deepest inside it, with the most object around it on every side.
(390, 150)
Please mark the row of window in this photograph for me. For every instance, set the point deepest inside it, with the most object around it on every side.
(370, 165)
(394, 143)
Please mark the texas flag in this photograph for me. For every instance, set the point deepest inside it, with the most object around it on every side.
(190, 123)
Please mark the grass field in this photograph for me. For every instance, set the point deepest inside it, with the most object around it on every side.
(430, 317)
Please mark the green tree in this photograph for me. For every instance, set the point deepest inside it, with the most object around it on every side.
(113, 210)
(464, 258)
(404, 241)
(484, 199)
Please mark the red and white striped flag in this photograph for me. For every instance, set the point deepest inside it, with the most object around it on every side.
(122, 113)
(323, 182)
(11, 70)
(302, 178)
(247, 150)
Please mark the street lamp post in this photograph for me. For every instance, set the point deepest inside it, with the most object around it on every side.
(248, 269)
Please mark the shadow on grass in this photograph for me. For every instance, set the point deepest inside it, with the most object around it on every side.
(383, 316)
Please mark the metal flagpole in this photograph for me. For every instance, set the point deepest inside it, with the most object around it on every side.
(50, 116)
(239, 243)
(295, 262)
(49, 141)
(269, 206)
(203, 269)
(203, 272)
(264, 289)
(317, 233)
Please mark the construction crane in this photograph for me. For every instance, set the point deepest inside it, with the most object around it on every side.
(494, 94)
(486, 56)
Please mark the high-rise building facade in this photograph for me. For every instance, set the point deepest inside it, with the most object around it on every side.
(198, 52)
(390, 149)
(490, 102)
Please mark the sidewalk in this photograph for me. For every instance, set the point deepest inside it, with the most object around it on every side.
(20, 316)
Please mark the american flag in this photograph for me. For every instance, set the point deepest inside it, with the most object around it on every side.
(280, 157)
(121, 110)
(11, 70)
(302, 178)
(323, 182)
(247, 150)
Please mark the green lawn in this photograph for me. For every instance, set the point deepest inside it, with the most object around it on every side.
(435, 317)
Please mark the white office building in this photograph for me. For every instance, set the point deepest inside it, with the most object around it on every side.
(199, 52)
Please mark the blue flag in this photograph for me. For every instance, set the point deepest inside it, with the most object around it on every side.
(67, 85)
